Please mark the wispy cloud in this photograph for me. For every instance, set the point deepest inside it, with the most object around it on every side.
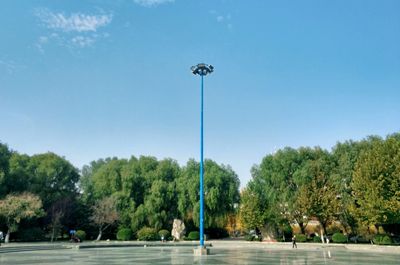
(223, 19)
(78, 22)
(72, 30)
(152, 3)
(9, 66)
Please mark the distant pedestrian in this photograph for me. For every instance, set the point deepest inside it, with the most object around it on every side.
(72, 233)
(294, 241)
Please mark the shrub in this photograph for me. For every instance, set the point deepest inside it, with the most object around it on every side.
(382, 240)
(339, 238)
(387, 240)
(124, 234)
(333, 229)
(317, 239)
(253, 238)
(147, 234)
(31, 234)
(194, 235)
(164, 233)
(301, 238)
(81, 235)
(249, 237)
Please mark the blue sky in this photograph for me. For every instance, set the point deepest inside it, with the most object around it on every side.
(92, 79)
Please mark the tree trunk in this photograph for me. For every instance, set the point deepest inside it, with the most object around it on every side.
(7, 236)
(301, 226)
(323, 232)
(322, 235)
(99, 236)
(52, 234)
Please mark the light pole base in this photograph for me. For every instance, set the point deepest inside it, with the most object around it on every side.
(201, 251)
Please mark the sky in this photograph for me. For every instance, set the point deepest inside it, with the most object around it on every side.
(93, 79)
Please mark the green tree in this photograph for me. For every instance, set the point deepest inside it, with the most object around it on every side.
(221, 193)
(345, 156)
(52, 178)
(107, 179)
(156, 195)
(86, 181)
(376, 183)
(5, 155)
(15, 208)
(19, 177)
(277, 181)
(251, 210)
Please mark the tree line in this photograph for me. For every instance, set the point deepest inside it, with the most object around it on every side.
(355, 186)
(46, 196)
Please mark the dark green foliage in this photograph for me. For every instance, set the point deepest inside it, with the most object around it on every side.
(194, 235)
(355, 184)
(81, 235)
(252, 237)
(382, 240)
(339, 238)
(301, 238)
(124, 234)
(317, 239)
(216, 233)
(52, 178)
(5, 155)
(221, 188)
(30, 234)
(147, 234)
(164, 233)
(249, 237)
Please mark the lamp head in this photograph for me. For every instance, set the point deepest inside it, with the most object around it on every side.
(202, 69)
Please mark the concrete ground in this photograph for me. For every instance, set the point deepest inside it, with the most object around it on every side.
(222, 252)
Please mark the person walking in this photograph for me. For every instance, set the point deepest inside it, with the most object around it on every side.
(294, 241)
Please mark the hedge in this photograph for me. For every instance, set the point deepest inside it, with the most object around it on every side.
(81, 235)
(194, 235)
(31, 234)
(124, 234)
(301, 238)
(147, 234)
(317, 239)
(382, 240)
(163, 233)
(339, 238)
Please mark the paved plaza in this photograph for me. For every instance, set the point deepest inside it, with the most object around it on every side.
(221, 253)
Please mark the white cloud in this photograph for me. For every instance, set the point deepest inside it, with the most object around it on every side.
(75, 22)
(152, 3)
(41, 42)
(223, 19)
(43, 39)
(9, 66)
(76, 30)
(82, 41)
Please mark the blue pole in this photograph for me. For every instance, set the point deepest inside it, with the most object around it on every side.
(201, 169)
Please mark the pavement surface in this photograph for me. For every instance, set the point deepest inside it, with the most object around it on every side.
(222, 252)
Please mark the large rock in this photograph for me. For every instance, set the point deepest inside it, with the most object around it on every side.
(178, 229)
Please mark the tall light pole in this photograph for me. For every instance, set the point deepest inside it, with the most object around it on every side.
(202, 69)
